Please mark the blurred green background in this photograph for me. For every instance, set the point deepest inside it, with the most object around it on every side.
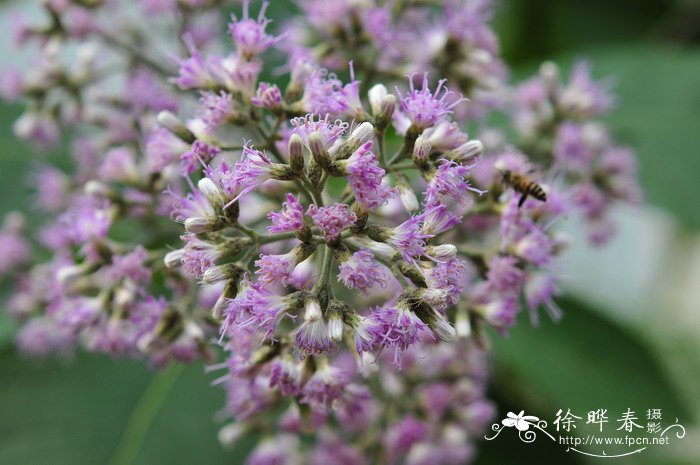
(630, 337)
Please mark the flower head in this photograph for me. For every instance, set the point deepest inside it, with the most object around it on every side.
(425, 108)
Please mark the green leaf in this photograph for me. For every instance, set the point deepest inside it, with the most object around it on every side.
(75, 414)
(582, 363)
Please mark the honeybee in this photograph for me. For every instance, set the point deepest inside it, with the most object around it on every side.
(524, 185)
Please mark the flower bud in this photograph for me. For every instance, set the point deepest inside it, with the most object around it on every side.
(441, 327)
(421, 150)
(335, 320)
(296, 154)
(173, 259)
(376, 97)
(173, 124)
(468, 150)
(441, 252)
(198, 225)
(214, 195)
(359, 136)
(216, 274)
(549, 72)
(318, 151)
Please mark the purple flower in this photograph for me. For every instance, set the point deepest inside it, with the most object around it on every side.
(324, 387)
(501, 312)
(276, 268)
(330, 132)
(365, 177)
(313, 336)
(267, 96)
(323, 94)
(540, 289)
(267, 311)
(43, 337)
(332, 220)
(249, 34)
(425, 108)
(584, 97)
(199, 255)
(449, 277)
(196, 71)
(402, 435)
(408, 238)
(449, 183)
(362, 272)
(215, 109)
(394, 327)
(119, 165)
(253, 169)
(162, 149)
(280, 450)
(131, 266)
(200, 154)
(504, 275)
(291, 218)
(438, 219)
(570, 149)
(285, 376)
(14, 249)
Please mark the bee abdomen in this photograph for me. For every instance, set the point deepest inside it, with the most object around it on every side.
(537, 192)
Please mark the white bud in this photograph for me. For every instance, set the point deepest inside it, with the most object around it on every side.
(312, 310)
(361, 134)
(230, 434)
(408, 198)
(173, 259)
(549, 72)
(442, 252)
(68, 274)
(463, 327)
(197, 224)
(376, 97)
(214, 274)
(421, 148)
(442, 329)
(95, 188)
(193, 330)
(470, 149)
(207, 187)
(335, 328)
(168, 120)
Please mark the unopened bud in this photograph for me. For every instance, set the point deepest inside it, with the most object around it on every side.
(468, 150)
(173, 259)
(173, 124)
(376, 97)
(441, 327)
(312, 310)
(549, 72)
(441, 252)
(296, 154)
(318, 151)
(421, 149)
(198, 225)
(214, 195)
(335, 320)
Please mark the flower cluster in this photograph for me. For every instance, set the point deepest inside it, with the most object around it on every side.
(346, 241)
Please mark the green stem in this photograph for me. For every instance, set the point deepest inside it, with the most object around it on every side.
(380, 149)
(142, 416)
(325, 271)
(248, 232)
(276, 237)
(134, 53)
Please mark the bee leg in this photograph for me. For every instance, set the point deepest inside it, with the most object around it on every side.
(523, 197)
